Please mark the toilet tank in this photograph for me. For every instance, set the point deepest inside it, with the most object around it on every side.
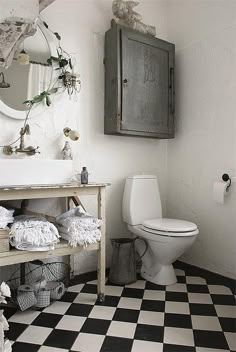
(141, 199)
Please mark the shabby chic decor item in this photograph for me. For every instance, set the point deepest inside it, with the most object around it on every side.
(44, 283)
(72, 134)
(65, 79)
(67, 152)
(78, 227)
(29, 80)
(33, 233)
(17, 22)
(124, 261)
(30, 150)
(23, 58)
(74, 191)
(126, 16)
(6, 217)
(84, 176)
(5, 345)
(12, 33)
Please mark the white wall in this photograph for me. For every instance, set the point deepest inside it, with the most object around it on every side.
(205, 145)
(82, 25)
(15, 8)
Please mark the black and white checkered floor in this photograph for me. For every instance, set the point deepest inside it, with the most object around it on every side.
(190, 316)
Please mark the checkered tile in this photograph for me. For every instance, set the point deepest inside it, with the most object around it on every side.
(190, 316)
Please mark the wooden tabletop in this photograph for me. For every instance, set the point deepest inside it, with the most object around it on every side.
(50, 186)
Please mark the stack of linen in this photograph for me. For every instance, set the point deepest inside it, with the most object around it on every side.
(78, 227)
(31, 233)
(6, 217)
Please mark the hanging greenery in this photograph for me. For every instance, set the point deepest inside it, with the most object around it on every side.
(66, 77)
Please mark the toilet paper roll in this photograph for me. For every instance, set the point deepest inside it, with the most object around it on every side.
(219, 191)
(39, 283)
(26, 299)
(25, 288)
(57, 289)
(43, 298)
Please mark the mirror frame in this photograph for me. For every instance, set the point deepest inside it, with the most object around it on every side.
(39, 108)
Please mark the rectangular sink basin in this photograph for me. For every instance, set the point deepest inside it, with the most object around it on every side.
(22, 172)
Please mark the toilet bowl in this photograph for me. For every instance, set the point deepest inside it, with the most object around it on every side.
(167, 238)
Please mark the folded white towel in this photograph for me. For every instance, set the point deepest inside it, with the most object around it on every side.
(80, 217)
(33, 233)
(78, 211)
(4, 223)
(6, 217)
(5, 212)
(79, 236)
(25, 246)
(78, 227)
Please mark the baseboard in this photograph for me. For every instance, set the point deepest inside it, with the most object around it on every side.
(85, 277)
(210, 277)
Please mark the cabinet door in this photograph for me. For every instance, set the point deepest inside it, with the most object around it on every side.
(147, 85)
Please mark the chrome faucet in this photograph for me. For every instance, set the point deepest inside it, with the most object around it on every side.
(8, 150)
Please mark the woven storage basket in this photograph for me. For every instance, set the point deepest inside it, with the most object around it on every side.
(43, 298)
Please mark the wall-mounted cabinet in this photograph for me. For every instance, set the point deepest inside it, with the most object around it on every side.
(139, 84)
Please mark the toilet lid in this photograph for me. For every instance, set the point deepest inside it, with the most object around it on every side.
(170, 225)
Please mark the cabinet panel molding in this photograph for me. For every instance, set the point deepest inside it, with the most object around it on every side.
(139, 84)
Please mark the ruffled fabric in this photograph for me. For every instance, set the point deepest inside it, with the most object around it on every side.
(33, 233)
(6, 217)
(78, 227)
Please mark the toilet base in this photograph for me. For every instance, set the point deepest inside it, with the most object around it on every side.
(165, 275)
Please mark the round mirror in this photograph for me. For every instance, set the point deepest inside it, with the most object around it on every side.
(29, 74)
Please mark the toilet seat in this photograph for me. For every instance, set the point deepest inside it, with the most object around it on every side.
(170, 227)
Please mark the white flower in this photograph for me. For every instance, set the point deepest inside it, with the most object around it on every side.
(5, 290)
(2, 299)
(3, 320)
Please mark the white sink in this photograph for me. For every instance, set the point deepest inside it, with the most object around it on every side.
(21, 172)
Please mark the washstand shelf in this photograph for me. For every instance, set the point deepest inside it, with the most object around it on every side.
(70, 191)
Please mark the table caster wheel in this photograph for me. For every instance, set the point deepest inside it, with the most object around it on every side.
(101, 297)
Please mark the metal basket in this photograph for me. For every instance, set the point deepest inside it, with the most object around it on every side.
(42, 283)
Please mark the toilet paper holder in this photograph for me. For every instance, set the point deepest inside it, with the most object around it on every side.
(226, 178)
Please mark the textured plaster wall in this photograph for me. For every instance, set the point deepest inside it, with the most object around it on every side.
(82, 25)
(205, 143)
(15, 8)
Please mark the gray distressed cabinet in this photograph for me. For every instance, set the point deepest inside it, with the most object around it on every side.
(139, 84)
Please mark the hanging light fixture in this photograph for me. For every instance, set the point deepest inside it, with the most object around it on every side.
(72, 82)
(23, 58)
(72, 134)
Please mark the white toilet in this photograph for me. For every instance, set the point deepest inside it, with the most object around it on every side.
(167, 239)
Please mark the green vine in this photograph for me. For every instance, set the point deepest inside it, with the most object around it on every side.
(66, 76)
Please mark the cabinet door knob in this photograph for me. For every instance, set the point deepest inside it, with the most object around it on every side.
(125, 82)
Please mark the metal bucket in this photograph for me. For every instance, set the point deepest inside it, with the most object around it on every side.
(123, 265)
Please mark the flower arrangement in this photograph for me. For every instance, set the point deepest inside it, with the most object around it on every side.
(5, 345)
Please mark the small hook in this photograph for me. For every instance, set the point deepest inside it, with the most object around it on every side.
(226, 178)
